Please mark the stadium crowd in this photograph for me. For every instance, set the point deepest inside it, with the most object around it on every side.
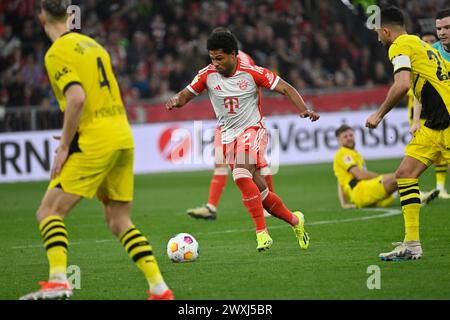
(157, 46)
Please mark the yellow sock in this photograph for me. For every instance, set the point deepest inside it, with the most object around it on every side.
(54, 234)
(441, 175)
(140, 251)
(410, 200)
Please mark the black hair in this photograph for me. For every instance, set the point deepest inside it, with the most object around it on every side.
(443, 14)
(222, 40)
(342, 129)
(392, 16)
(220, 29)
(56, 8)
(428, 33)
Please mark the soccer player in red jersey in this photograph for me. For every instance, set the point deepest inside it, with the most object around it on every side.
(220, 176)
(233, 88)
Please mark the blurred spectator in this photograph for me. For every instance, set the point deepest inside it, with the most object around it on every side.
(178, 76)
(15, 87)
(156, 47)
(380, 75)
(344, 76)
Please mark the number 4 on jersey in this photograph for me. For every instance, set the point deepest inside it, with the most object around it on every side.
(102, 74)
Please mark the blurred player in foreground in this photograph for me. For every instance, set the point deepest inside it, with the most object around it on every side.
(94, 156)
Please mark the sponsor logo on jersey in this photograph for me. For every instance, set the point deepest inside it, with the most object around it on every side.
(269, 77)
(348, 160)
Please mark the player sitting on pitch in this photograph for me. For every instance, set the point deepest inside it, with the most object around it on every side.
(358, 187)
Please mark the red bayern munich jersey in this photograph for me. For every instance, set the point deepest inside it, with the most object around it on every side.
(245, 58)
(236, 99)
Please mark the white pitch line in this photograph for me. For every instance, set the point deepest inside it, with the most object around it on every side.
(386, 213)
(70, 243)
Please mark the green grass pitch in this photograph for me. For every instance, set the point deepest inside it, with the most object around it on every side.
(344, 243)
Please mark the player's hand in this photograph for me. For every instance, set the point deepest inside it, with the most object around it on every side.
(414, 127)
(348, 206)
(373, 121)
(314, 116)
(173, 102)
(60, 159)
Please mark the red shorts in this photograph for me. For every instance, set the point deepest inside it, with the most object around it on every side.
(252, 142)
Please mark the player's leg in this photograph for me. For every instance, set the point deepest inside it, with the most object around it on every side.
(118, 220)
(267, 175)
(445, 155)
(389, 182)
(80, 177)
(423, 150)
(408, 187)
(377, 191)
(55, 205)
(275, 206)
(272, 203)
(220, 176)
(116, 193)
(251, 198)
(242, 156)
(218, 182)
(265, 172)
(441, 167)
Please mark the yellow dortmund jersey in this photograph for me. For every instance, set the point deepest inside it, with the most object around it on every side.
(430, 80)
(77, 59)
(345, 159)
(410, 106)
(411, 109)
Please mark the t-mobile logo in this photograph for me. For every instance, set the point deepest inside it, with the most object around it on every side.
(231, 104)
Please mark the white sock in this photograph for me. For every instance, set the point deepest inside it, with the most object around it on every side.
(158, 288)
(58, 277)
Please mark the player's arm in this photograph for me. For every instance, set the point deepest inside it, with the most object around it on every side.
(361, 174)
(75, 98)
(180, 99)
(417, 110)
(402, 83)
(345, 204)
(294, 96)
(195, 88)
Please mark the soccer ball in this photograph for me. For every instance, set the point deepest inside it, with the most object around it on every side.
(182, 248)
